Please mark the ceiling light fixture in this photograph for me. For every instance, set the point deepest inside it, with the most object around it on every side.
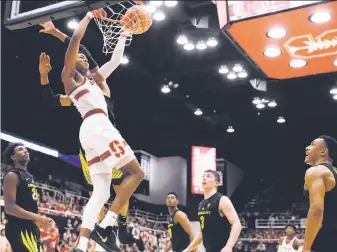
(231, 76)
(276, 33)
(335, 97)
(333, 91)
(72, 24)
(198, 112)
(124, 60)
(297, 63)
(212, 42)
(230, 129)
(188, 46)
(237, 68)
(201, 45)
(272, 104)
(182, 40)
(242, 74)
(281, 119)
(223, 70)
(170, 3)
(156, 3)
(272, 52)
(320, 17)
(175, 85)
(260, 106)
(159, 16)
(256, 100)
(165, 89)
(150, 8)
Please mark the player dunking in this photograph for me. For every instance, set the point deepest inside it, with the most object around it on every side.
(219, 222)
(65, 101)
(104, 146)
(21, 197)
(179, 227)
(289, 243)
(321, 182)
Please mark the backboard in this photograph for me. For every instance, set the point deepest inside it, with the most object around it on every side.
(21, 14)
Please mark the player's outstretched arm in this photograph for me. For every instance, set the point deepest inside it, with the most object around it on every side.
(106, 70)
(73, 47)
(49, 28)
(227, 208)
(47, 93)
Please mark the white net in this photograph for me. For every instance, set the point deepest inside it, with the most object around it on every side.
(126, 18)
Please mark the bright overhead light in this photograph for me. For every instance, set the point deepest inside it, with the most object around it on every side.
(124, 60)
(333, 91)
(72, 24)
(198, 112)
(201, 45)
(159, 16)
(297, 63)
(320, 17)
(212, 42)
(156, 3)
(237, 68)
(272, 104)
(223, 70)
(281, 120)
(335, 62)
(256, 100)
(165, 89)
(242, 74)
(276, 33)
(335, 97)
(260, 106)
(182, 40)
(230, 129)
(272, 52)
(150, 8)
(231, 76)
(188, 46)
(171, 3)
(175, 85)
(264, 100)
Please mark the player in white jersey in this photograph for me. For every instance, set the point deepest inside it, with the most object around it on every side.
(104, 146)
(289, 243)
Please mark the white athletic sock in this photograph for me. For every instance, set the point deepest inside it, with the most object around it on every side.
(109, 220)
(83, 243)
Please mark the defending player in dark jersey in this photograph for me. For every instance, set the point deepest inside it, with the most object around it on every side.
(21, 196)
(321, 182)
(64, 101)
(179, 227)
(219, 222)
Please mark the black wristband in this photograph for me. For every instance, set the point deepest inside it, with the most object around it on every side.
(67, 40)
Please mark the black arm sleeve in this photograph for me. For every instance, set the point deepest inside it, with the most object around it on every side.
(85, 51)
(48, 96)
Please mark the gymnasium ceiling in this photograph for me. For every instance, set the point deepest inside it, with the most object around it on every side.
(165, 124)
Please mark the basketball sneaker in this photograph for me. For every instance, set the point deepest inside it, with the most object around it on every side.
(75, 250)
(106, 238)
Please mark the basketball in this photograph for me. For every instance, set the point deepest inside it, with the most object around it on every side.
(136, 20)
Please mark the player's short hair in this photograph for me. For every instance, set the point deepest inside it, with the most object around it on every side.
(8, 153)
(173, 193)
(292, 226)
(215, 173)
(331, 145)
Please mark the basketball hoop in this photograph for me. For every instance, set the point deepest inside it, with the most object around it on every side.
(127, 18)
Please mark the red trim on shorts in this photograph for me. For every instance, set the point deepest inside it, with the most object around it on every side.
(93, 112)
(100, 158)
(80, 94)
